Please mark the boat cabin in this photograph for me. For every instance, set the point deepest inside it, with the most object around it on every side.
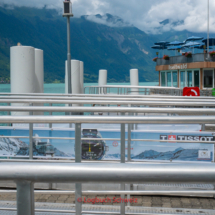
(182, 71)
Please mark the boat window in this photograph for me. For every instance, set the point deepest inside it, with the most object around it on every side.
(208, 78)
(169, 79)
(189, 78)
(182, 79)
(196, 78)
(163, 79)
(175, 79)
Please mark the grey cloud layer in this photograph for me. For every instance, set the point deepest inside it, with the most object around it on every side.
(145, 14)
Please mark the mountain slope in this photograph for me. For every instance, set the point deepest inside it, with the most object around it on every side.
(116, 49)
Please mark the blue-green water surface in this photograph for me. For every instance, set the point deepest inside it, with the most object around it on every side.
(60, 88)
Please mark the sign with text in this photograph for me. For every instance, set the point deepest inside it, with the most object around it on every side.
(104, 149)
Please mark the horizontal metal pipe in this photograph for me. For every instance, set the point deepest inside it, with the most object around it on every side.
(110, 119)
(105, 95)
(111, 102)
(120, 192)
(107, 173)
(175, 99)
(109, 109)
(139, 87)
(84, 212)
(114, 139)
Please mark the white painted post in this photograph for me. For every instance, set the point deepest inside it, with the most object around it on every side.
(102, 79)
(22, 72)
(82, 77)
(134, 80)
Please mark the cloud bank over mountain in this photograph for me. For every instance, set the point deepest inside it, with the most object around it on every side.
(146, 15)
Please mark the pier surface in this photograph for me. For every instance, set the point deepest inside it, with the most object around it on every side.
(144, 201)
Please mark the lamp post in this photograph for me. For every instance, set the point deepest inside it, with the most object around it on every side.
(208, 28)
(68, 13)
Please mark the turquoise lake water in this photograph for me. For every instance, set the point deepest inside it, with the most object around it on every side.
(60, 88)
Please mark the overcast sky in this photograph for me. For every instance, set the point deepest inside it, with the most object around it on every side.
(144, 14)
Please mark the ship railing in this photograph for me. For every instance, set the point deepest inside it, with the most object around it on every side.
(198, 57)
(126, 89)
(25, 174)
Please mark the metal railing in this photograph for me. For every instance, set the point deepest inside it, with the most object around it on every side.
(96, 96)
(199, 57)
(126, 89)
(25, 189)
(198, 111)
(26, 174)
(175, 98)
(147, 102)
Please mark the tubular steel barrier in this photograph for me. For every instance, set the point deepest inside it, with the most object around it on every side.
(125, 192)
(52, 109)
(114, 102)
(25, 174)
(125, 89)
(175, 99)
(99, 95)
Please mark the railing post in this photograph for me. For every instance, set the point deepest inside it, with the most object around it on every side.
(8, 113)
(25, 198)
(50, 113)
(78, 186)
(203, 125)
(122, 205)
(129, 143)
(129, 156)
(31, 138)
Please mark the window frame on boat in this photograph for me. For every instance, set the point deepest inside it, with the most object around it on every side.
(166, 78)
(203, 78)
(186, 71)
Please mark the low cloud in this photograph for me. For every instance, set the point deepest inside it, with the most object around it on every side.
(144, 14)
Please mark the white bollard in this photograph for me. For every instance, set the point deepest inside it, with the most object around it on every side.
(39, 73)
(82, 77)
(102, 80)
(39, 70)
(77, 77)
(22, 72)
(134, 80)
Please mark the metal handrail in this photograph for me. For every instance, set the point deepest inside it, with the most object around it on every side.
(175, 99)
(110, 102)
(108, 109)
(102, 95)
(110, 119)
(108, 173)
(134, 87)
(25, 174)
(124, 192)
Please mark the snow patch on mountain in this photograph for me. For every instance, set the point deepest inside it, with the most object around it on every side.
(178, 154)
(107, 19)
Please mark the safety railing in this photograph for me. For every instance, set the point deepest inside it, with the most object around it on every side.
(126, 89)
(199, 57)
(126, 102)
(175, 98)
(79, 96)
(26, 174)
